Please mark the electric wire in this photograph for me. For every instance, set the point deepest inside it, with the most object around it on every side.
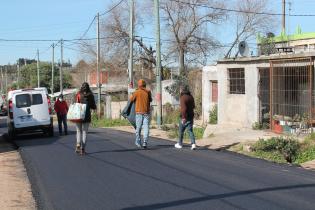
(242, 11)
(111, 9)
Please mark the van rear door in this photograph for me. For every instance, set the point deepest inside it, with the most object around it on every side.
(22, 103)
(40, 108)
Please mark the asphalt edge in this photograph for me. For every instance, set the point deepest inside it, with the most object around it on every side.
(32, 175)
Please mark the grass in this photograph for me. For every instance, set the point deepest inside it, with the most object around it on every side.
(306, 155)
(109, 123)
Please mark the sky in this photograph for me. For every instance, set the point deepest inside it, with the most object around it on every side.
(69, 19)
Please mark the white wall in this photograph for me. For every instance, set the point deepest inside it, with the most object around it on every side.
(166, 97)
(209, 73)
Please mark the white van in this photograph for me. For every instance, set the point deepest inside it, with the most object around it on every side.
(29, 110)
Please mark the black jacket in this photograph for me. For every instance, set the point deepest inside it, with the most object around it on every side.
(88, 99)
(187, 105)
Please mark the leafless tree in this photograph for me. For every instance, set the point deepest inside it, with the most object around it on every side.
(188, 22)
(116, 31)
(252, 20)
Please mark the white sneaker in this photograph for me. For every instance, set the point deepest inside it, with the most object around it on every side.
(193, 146)
(178, 146)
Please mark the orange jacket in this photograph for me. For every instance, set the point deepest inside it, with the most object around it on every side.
(142, 98)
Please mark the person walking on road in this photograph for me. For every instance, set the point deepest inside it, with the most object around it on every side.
(142, 99)
(61, 109)
(84, 96)
(187, 106)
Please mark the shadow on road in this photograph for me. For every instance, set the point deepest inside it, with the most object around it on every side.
(218, 196)
(6, 146)
(151, 148)
(33, 139)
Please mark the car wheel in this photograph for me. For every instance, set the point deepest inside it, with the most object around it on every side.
(11, 133)
(51, 131)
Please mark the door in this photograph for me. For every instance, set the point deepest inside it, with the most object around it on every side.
(214, 91)
(39, 108)
(22, 110)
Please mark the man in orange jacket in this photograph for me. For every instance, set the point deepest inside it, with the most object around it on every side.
(142, 99)
(61, 109)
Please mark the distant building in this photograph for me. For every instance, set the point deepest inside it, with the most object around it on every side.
(297, 43)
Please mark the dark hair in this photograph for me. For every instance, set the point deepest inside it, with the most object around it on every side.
(85, 88)
(185, 90)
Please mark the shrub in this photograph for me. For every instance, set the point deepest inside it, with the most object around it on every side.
(172, 117)
(213, 116)
(266, 145)
(287, 147)
(260, 126)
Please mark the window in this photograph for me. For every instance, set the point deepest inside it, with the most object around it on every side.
(237, 81)
(23, 100)
(37, 99)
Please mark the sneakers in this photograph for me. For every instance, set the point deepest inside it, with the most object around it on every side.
(178, 146)
(145, 145)
(77, 149)
(138, 144)
(82, 152)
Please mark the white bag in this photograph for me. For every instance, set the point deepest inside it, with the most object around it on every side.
(76, 112)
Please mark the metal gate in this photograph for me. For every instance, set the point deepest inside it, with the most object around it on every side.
(291, 85)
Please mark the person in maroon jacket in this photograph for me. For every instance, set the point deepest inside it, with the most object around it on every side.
(187, 106)
(61, 108)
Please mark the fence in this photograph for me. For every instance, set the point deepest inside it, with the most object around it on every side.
(291, 85)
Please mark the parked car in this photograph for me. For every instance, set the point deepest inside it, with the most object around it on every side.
(29, 111)
(3, 106)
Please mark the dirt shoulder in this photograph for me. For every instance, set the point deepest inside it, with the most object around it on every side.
(15, 188)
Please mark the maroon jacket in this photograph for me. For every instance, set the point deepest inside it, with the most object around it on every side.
(187, 106)
(61, 108)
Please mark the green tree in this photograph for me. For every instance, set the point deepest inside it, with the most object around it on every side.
(29, 77)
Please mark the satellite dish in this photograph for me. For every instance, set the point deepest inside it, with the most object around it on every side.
(243, 48)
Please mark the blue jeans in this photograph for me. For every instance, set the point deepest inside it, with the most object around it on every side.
(142, 121)
(182, 127)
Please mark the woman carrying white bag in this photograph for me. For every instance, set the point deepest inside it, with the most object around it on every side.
(84, 96)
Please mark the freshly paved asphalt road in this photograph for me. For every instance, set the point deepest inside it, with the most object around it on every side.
(116, 175)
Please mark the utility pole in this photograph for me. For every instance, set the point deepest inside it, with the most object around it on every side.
(1, 79)
(158, 64)
(283, 16)
(52, 69)
(131, 36)
(98, 85)
(18, 75)
(38, 81)
(61, 63)
(6, 78)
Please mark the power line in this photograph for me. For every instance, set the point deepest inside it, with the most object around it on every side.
(111, 9)
(242, 11)
(87, 30)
